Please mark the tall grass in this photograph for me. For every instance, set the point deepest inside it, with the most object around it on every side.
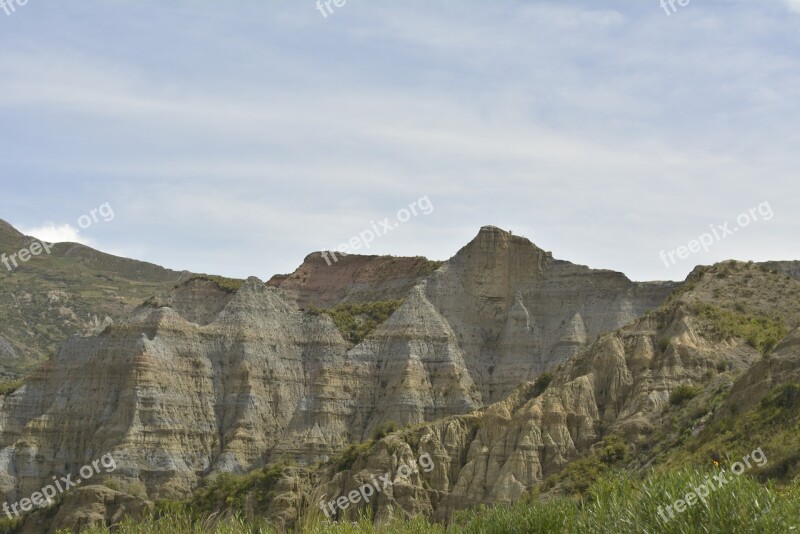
(616, 504)
(181, 522)
(620, 504)
(761, 333)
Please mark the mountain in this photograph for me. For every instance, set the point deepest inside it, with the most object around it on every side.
(70, 290)
(514, 371)
(728, 340)
(325, 281)
(201, 379)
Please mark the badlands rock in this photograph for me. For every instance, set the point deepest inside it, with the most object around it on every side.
(200, 381)
(620, 384)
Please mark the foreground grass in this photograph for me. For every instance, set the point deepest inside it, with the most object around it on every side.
(617, 503)
(773, 425)
(182, 522)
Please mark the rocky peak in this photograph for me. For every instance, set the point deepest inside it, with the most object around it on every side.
(495, 257)
(326, 278)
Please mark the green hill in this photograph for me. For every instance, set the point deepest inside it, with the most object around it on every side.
(74, 288)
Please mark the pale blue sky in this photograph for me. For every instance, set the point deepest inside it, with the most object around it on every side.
(236, 137)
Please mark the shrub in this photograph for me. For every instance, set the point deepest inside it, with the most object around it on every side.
(384, 430)
(784, 397)
(229, 285)
(7, 388)
(761, 333)
(357, 321)
(541, 383)
(683, 393)
(613, 450)
(228, 492)
(351, 454)
(579, 475)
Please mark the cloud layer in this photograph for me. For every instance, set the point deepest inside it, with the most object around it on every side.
(238, 140)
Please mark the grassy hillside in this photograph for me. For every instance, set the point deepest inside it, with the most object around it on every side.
(74, 288)
(620, 487)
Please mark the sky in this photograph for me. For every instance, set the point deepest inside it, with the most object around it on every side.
(237, 137)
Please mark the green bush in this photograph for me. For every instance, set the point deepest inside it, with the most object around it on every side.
(761, 333)
(384, 430)
(356, 321)
(541, 383)
(578, 476)
(231, 493)
(351, 454)
(7, 388)
(683, 393)
(229, 285)
(10, 525)
(784, 397)
(613, 450)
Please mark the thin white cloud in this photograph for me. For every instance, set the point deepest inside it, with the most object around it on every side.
(52, 233)
(605, 135)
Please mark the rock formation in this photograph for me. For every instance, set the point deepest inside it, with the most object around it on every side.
(199, 381)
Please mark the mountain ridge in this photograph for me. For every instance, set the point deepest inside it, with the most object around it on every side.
(504, 364)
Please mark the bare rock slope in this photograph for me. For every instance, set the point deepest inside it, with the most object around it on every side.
(201, 381)
(620, 384)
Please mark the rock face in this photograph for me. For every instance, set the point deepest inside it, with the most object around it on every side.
(621, 384)
(789, 268)
(88, 506)
(200, 381)
(516, 311)
(326, 279)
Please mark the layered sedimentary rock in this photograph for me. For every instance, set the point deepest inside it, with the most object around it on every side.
(174, 400)
(790, 268)
(621, 384)
(510, 304)
(200, 381)
(329, 278)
